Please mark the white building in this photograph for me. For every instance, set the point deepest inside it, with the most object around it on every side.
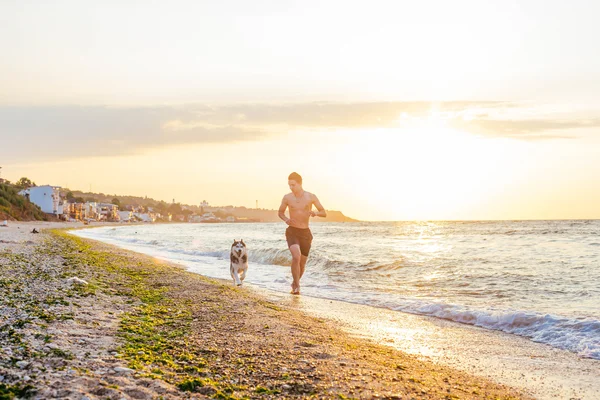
(46, 197)
(209, 217)
(125, 216)
(145, 217)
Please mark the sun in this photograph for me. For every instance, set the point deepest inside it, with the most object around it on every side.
(425, 169)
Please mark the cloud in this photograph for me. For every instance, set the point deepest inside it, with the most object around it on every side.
(46, 133)
(528, 129)
(330, 115)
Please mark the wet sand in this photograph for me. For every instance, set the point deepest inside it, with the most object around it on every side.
(538, 369)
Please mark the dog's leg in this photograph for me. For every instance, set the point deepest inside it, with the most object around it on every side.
(243, 274)
(235, 275)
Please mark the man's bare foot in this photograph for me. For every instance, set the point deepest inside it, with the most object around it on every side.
(295, 289)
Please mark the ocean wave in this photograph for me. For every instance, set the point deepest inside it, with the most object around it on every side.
(270, 256)
(389, 266)
(282, 256)
(579, 336)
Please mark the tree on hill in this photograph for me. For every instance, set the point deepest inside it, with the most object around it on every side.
(175, 209)
(221, 214)
(160, 207)
(24, 183)
(116, 201)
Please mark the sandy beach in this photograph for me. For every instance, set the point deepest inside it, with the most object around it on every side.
(86, 320)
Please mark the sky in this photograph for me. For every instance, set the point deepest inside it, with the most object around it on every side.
(390, 110)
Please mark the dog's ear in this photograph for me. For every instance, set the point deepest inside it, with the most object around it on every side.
(243, 242)
(234, 241)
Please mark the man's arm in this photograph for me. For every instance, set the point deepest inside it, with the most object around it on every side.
(281, 212)
(320, 209)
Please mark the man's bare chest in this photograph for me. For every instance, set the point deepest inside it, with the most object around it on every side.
(299, 204)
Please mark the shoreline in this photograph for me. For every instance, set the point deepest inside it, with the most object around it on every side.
(142, 328)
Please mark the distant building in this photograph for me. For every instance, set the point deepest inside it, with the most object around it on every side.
(95, 211)
(46, 197)
(145, 217)
(195, 218)
(125, 216)
(90, 211)
(206, 217)
(209, 217)
(74, 211)
(107, 211)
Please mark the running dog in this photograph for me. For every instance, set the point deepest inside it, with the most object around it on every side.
(239, 261)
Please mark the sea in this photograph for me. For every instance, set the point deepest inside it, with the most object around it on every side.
(535, 279)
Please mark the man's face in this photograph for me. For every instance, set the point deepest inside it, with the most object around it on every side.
(294, 186)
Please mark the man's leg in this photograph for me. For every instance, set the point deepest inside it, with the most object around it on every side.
(296, 270)
(303, 260)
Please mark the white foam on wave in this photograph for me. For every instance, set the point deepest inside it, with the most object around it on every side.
(579, 336)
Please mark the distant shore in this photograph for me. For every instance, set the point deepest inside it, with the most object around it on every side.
(89, 319)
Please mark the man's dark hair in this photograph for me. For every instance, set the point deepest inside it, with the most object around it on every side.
(295, 177)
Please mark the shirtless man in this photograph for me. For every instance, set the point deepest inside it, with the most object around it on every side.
(298, 235)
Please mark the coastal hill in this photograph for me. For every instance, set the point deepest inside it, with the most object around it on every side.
(16, 207)
(251, 214)
(265, 215)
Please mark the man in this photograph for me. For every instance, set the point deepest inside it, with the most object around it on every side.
(298, 235)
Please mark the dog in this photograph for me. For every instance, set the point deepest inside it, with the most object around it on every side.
(239, 261)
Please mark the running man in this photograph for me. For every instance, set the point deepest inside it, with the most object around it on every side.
(298, 235)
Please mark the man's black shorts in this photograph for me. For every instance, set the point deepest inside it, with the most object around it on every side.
(301, 237)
